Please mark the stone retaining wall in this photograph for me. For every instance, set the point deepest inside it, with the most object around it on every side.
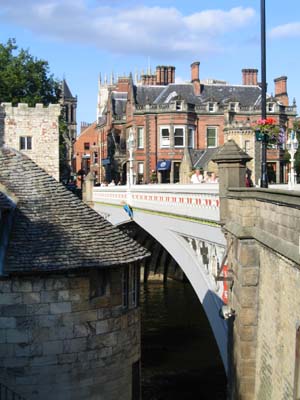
(263, 232)
(64, 337)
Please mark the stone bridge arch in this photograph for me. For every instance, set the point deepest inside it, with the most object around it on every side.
(199, 255)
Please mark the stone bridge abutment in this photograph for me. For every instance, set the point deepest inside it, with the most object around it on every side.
(262, 229)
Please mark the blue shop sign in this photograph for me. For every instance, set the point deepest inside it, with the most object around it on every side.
(164, 165)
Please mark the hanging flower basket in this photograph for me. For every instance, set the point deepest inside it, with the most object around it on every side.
(267, 130)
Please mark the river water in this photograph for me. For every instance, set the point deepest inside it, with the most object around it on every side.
(180, 359)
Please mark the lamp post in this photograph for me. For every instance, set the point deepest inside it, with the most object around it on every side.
(130, 146)
(264, 175)
(292, 146)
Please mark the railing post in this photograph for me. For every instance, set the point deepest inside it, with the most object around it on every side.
(231, 160)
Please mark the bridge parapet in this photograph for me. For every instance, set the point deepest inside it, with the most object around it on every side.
(193, 201)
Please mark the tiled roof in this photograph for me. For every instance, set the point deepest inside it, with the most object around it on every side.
(184, 90)
(52, 228)
(119, 101)
(147, 94)
(245, 95)
(200, 158)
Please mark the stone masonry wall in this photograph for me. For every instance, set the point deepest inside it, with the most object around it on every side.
(40, 123)
(56, 341)
(263, 229)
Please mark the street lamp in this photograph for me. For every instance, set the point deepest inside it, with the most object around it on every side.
(292, 146)
(130, 146)
(264, 175)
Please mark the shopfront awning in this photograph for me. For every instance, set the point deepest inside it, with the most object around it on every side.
(164, 165)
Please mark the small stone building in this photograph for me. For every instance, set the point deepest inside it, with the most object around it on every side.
(34, 131)
(69, 320)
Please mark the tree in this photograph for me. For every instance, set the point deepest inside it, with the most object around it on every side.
(24, 78)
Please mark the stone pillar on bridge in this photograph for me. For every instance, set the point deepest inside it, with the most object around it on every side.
(231, 160)
(185, 167)
(87, 189)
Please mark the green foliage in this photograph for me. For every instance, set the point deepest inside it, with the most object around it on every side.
(24, 78)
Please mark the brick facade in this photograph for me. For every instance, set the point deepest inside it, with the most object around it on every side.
(38, 123)
(193, 111)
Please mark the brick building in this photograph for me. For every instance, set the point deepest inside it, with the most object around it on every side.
(86, 152)
(178, 127)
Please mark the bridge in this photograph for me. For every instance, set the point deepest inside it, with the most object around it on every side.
(261, 244)
(185, 219)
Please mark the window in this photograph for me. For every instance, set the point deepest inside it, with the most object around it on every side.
(179, 137)
(232, 107)
(140, 172)
(140, 137)
(270, 107)
(125, 286)
(130, 286)
(164, 137)
(191, 136)
(211, 107)
(86, 146)
(178, 105)
(25, 143)
(211, 137)
(95, 156)
(134, 285)
(247, 146)
(98, 283)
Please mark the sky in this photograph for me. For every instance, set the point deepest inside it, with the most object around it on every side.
(81, 39)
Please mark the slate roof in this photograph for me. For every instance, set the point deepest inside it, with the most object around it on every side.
(52, 229)
(66, 91)
(119, 101)
(184, 90)
(200, 158)
(147, 94)
(221, 93)
(243, 94)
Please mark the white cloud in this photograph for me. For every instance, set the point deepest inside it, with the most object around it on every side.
(286, 31)
(141, 30)
(215, 22)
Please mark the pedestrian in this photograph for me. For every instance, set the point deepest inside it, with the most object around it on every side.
(197, 176)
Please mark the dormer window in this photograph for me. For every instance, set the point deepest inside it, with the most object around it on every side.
(178, 105)
(270, 107)
(232, 107)
(211, 107)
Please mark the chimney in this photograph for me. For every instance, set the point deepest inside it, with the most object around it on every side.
(195, 77)
(170, 75)
(173, 74)
(281, 90)
(165, 75)
(158, 75)
(249, 76)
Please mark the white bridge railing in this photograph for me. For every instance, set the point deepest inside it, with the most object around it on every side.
(196, 201)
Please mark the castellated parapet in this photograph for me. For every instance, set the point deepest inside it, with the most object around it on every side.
(34, 131)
